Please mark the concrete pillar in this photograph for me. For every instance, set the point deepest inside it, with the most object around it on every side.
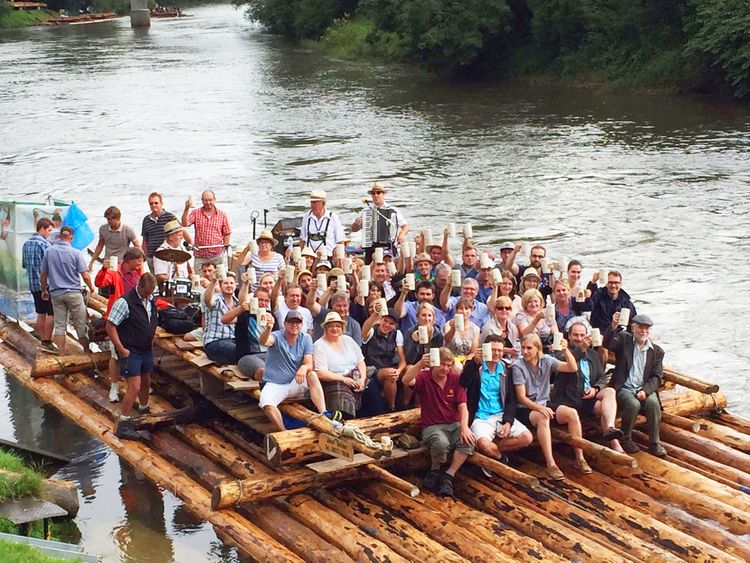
(140, 16)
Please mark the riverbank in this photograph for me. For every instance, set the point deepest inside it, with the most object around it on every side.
(683, 47)
(13, 19)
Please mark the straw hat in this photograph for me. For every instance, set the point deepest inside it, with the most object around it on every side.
(307, 251)
(172, 227)
(377, 186)
(424, 257)
(529, 272)
(318, 195)
(333, 317)
(265, 234)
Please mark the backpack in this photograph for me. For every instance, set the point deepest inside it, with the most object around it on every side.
(179, 320)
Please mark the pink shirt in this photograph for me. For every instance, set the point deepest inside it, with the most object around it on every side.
(210, 230)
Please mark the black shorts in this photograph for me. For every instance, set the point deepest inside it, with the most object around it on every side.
(522, 415)
(41, 306)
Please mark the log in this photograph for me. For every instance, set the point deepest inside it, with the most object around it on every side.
(739, 423)
(18, 339)
(645, 526)
(165, 419)
(707, 467)
(684, 403)
(301, 479)
(384, 525)
(435, 524)
(176, 451)
(689, 381)
(727, 436)
(492, 531)
(706, 447)
(695, 482)
(593, 451)
(568, 515)
(229, 525)
(680, 422)
(297, 537)
(339, 531)
(568, 542)
(46, 365)
(668, 513)
(389, 478)
(62, 493)
(296, 446)
(506, 472)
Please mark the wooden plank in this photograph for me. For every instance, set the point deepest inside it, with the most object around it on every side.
(243, 385)
(161, 333)
(201, 361)
(336, 464)
(234, 372)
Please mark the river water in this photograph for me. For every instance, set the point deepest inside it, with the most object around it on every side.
(655, 186)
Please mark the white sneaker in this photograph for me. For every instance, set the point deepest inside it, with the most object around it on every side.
(114, 393)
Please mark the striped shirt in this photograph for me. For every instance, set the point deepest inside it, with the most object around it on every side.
(210, 230)
(153, 231)
(272, 266)
(214, 329)
(32, 253)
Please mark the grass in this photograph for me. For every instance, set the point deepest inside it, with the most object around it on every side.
(21, 553)
(24, 18)
(357, 38)
(29, 484)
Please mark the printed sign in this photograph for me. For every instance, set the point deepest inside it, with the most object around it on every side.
(336, 447)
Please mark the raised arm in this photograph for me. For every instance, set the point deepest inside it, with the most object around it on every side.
(447, 258)
(570, 365)
(445, 296)
(410, 376)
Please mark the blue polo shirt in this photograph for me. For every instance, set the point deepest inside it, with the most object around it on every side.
(284, 359)
(63, 265)
(489, 393)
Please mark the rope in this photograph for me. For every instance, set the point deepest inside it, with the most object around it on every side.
(242, 491)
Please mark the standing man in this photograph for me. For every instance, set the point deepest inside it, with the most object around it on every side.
(383, 225)
(444, 419)
(288, 373)
(61, 267)
(636, 380)
(321, 228)
(152, 230)
(32, 253)
(211, 230)
(131, 326)
(114, 237)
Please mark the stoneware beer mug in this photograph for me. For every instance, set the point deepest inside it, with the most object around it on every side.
(221, 271)
(253, 247)
(487, 351)
(424, 336)
(557, 341)
(434, 357)
(624, 317)
(377, 256)
(452, 230)
(468, 231)
(322, 281)
(410, 281)
(363, 288)
(456, 278)
(392, 270)
(596, 337)
(289, 274)
(459, 323)
(341, 282)
(364, 273)
(113, 262)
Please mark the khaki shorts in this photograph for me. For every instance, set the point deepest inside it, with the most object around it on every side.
(489, 428)
(69, 305)
(273, 394)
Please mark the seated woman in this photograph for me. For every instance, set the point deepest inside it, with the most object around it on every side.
(501, 325)
(413, 349)
(531, 378)
(463, 343)
(566, 307)
(340, 366)
(361, 307)
(532, 319)
(383, 346)
(265, 261)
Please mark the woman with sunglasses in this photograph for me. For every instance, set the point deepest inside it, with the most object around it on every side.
(500, 324)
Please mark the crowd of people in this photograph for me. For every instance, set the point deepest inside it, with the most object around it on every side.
(494, 345)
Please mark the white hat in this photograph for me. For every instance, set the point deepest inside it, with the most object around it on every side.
(318, 195)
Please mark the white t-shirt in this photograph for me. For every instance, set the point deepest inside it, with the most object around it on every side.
(282, 310)
(341, 361)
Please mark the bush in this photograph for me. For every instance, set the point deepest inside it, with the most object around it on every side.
(300, 19)
(358, 38)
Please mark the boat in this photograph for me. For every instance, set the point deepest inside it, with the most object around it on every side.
(316, 494)
(83, 19)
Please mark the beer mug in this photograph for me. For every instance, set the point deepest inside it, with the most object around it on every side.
(596, 337)
(363, 288)
(456, 278)
(377, 255)
(289, 274)
(580, 294)
(322, 281)
(364, 273)
(196, 279)
(221, 271)
(427, 238)
(497, 277)
(410, 281)
(549, 314)
(434, 357)
(545, 266)
(347, 265)
(261, 313)
(383, 306)
(406, 250)
(191, 202)
(468, 231)
(603, 276)
(340, 251)
(113, 262)
(392, 269)
(624, 317)
(296, 253)
(424, 335)
(459, 322)
(413, 249)
(253, 247)
(253, 306)
(487, 351)
(341, 282)
(557, 341)
(452, 230)
(252, 278)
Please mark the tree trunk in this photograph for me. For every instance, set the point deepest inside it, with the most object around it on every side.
(339, 531)
(690, 382)
(62, 493)
(684, 403)
(46, 365)
(594, 451)
(680, 422)
(705, 447)
(506, 472)
(720, 433)
(739, 423)
(169, 418)
(389, 478)
(398, 534)
(568, 542)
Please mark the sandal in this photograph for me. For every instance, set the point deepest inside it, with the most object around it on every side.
(583, 467)
(555, 474)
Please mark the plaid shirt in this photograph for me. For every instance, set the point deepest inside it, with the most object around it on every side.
(210, 230)
(215, 329)
(33, 252)
(120, 310)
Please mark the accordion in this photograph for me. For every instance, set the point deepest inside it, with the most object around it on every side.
(379, 226)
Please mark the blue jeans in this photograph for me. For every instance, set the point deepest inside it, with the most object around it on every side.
(221, 351)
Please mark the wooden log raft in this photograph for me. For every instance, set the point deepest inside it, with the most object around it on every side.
(568, 542)
(705, 446)
(384, 525)
(389, 478)
(723, 434)
(231, 526)
(669, 513)
(684, 403)
(689, 381)
(739, 423)
(62, 493)
(593, 450)
(46, 365)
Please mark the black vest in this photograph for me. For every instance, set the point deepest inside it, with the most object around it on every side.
(137, 331)
(380, 350)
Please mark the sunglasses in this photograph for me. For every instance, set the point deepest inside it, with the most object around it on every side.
(503, 308)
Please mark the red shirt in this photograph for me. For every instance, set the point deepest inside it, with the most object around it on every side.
(439, 405)
(210, 230)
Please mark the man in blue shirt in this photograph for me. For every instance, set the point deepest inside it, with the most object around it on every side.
(492, 404)
(61, 267)
(32, 254)
(288, 371)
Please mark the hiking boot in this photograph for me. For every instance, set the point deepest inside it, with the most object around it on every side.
(612, 433)
(657, 449)
(555, 474)
(582, 467)
(445, 489)
(431, 480)
(408, 442)
(125, 430)
(114, 393)
(630, 447)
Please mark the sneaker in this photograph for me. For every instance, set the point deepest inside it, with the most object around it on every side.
(114, 393)
(555, 474)
(445, 489)
(487, 473)
(125, 431)
(431, 480)
(145, 409)
(630, 447)
(582, 467)
(612, 433)
(657, 449)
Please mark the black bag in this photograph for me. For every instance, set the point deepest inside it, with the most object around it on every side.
(177, 321)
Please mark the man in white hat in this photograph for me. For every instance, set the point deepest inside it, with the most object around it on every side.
(383, 225)
(321, 228)
(164, 270)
